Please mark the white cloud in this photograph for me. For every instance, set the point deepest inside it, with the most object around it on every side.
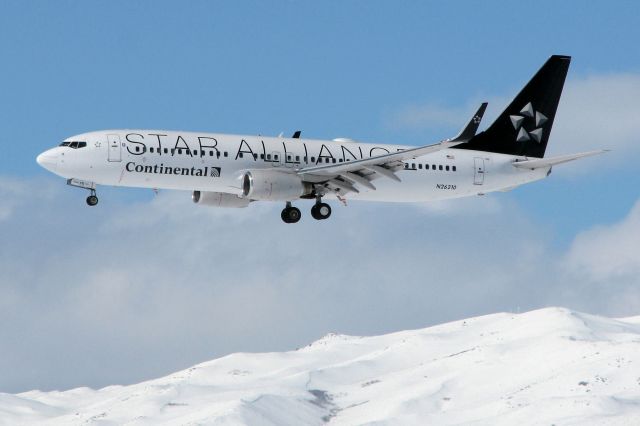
(609, 253)
(125, 292)
(124, 280)
(599, 111)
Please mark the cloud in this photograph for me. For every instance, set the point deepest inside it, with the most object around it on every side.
(599, 111)
(609, 253)
(129, 291)
(174, 284)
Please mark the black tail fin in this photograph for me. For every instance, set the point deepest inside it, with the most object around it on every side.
(524, 127)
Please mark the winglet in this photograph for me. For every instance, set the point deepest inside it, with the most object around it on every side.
(471, 128)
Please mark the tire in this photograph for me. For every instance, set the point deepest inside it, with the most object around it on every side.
(324, 210)
(285, 215)
(92, 200)
(293, 215)
(314, 212)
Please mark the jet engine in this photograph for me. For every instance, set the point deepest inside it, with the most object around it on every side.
(218, 199)
(273, 185)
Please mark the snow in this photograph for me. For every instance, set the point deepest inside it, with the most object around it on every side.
(550, 366)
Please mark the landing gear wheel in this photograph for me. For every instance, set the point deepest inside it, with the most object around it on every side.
(291, 215)
(92, 200)
(321, 211)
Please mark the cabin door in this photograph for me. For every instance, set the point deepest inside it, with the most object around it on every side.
(115, 148)
(478, 175)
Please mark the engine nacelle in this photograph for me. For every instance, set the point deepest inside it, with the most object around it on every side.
(218, 199)
(273, 185)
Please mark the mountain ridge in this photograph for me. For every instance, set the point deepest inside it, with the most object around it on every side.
(548, 366)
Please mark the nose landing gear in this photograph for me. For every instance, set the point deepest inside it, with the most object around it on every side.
(290, 214)
(92, 199)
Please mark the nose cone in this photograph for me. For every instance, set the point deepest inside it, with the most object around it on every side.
(48, 160)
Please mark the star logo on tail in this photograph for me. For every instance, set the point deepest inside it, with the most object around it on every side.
(527, 116)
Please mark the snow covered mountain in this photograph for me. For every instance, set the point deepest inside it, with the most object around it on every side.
(550, 366)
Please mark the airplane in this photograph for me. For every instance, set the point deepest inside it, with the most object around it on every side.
(223, 170)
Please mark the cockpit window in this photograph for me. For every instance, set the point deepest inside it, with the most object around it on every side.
(74, 145)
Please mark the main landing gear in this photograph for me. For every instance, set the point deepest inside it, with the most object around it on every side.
(290, 214)
(319, 211)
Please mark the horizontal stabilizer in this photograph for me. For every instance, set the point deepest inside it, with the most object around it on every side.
(471, 128)
(546, 162)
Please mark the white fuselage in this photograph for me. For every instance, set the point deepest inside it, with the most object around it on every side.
(216, 162)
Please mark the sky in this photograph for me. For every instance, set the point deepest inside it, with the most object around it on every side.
(146, 284)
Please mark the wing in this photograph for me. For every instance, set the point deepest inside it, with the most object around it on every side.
(344, 177)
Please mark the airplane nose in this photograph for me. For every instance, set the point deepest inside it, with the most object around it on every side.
(48, 161)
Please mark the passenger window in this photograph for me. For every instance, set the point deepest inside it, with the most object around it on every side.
(433, 167)
(454, 168)
(313, 159)
(166, 151)
(173, 151)
(305, 159)
(240, 155)
(217, 154)
(298, 158)
(255, 156)
(268, 156)
(340, 160)
(275, 157)
(420, 166)
(137, 148)
(210, 153)
(447, 168)
(333, 160)
(179, 151)
(226, 154)
(413, 165)
(406, 165)
(440, 167)
(202, 152)
(151, 150)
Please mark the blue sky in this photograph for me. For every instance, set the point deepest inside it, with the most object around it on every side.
(369, 70)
